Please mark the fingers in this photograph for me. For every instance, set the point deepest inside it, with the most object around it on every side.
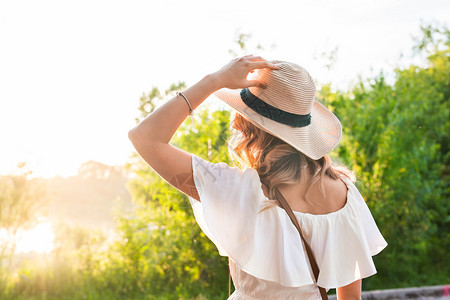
(263, 64)
(254, 57)
(257, 62)
(249, 63)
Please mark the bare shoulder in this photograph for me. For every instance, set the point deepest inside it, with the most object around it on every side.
(316, 202)
(336, 192)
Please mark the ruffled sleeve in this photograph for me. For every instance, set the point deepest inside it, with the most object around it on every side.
(226, 201)
(345, 241)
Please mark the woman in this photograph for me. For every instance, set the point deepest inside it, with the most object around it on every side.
(283, 136)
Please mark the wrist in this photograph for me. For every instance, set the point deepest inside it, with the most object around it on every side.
(214, 81)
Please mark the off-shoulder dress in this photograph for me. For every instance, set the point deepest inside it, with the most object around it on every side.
(266, 255)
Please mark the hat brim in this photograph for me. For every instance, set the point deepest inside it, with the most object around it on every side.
(315, 140)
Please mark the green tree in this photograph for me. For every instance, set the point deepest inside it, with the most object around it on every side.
(397, 141)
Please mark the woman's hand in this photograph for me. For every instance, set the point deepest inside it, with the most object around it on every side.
(234, 74)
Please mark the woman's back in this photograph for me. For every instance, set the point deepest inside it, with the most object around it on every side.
(267, 257)
(311, 200)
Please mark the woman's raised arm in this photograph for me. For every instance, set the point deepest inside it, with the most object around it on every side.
(152, 136)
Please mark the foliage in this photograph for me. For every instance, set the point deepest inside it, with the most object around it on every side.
(71, 271)
(397, 141)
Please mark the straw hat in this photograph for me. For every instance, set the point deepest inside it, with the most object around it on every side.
(283, 105)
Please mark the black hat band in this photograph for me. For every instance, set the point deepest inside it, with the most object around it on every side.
(272, 112)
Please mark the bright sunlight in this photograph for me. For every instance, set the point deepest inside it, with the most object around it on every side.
(38, 239)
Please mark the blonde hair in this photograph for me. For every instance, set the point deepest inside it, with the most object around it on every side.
(276, 161)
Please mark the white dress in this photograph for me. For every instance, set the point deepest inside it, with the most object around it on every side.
(267, 258)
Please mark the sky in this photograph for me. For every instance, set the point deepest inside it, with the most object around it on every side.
(72, 72)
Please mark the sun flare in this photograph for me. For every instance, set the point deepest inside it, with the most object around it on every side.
(38, 239)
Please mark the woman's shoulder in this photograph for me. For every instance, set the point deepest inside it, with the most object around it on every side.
(220, 179)
(336, 193)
